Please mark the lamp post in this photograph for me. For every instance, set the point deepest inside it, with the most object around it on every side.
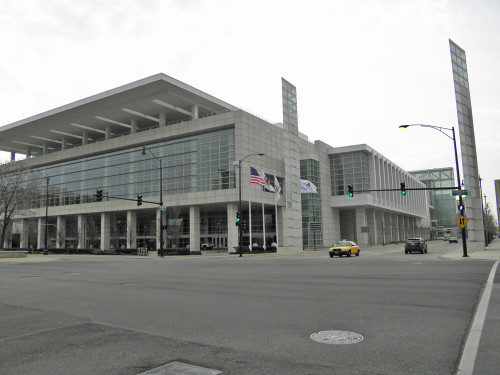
(240, 232)
(218, 239)
(46, 250)
(144, 148)
(459, 186)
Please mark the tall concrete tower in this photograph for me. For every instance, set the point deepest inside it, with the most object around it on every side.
(468, 148)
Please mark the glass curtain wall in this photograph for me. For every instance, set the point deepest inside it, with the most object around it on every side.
(350, 168)
(190, 164)
(311, 204)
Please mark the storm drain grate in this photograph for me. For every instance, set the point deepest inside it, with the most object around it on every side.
(179, 368)
(337, 337)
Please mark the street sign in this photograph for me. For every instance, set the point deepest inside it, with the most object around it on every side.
(365, 229)
(462, 221)
(459, 192)
(162, 208)
(315, 226)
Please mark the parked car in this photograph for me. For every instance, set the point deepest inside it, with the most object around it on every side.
(206, 245)
(344, 247)
(415, 244)
(453, 239)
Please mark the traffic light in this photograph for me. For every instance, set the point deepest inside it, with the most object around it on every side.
(237, 218)
(461, 208)
(403, 188)
(98, 195)
(351, 190)
(243, 225)
(139, 200)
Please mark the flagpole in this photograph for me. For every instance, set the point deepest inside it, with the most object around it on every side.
(263, 225)
(250, 220)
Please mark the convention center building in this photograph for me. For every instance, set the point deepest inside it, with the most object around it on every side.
(158, 158)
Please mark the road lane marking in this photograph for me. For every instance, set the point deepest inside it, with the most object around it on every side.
(466, 366)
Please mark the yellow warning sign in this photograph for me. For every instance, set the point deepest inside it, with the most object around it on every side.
(462, 221)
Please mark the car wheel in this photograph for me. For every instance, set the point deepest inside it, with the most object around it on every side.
(422, 251)
(357, 254)
(406, 251)
(331, 255)
(426, 251)
(349, 253)
(340, 255)
(204, 247)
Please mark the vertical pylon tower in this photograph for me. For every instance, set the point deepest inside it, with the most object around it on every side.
(470, 167)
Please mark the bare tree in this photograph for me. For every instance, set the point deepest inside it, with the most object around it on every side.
(92, 231)
(17, 189)
(131, 236)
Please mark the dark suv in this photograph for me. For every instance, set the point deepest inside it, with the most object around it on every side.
(415, 244)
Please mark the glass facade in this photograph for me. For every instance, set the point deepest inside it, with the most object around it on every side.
(444, 213)
(311, 203)
(197, 163)
(350, 168)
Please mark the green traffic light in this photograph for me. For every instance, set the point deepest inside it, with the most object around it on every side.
(350, 194)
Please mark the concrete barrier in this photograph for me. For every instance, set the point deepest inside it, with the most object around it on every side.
(13, 254)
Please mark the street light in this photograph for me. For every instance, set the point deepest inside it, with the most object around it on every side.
(46, 250)
(238, 164)
(144, 148)
(459, 186)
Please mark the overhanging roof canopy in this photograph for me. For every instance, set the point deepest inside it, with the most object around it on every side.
(114, 111)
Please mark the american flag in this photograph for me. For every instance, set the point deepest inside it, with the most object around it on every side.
(255, 177)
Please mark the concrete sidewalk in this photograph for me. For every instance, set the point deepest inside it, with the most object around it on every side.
(492, 252)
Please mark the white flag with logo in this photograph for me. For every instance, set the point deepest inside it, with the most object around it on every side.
(307, 187)
(277, 188)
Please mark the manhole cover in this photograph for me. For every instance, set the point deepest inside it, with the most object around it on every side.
(337, 337)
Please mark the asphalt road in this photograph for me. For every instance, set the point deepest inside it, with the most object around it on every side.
(250, 315)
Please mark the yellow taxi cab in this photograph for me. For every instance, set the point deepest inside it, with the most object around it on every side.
(344, 247)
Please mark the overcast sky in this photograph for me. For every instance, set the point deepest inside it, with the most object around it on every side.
(361, 67)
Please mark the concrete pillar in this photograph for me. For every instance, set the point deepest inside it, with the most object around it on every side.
(28, 153)
(159, 231)
(133, 126)
(108, 132)
(194, 111)
(232, 229)
(61, 232)
(81, 228)
(23, 227)
(361, 238)
(85, 138)
(131, 229)
(163, 119)
(105, 228)
(40, 241)
(64, 144)
(194, 228)
(45, 148)
(12, 156)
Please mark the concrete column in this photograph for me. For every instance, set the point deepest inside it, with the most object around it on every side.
(232, 229)
(194, 111)
(40, 240)
(85, 138)
(45, 148)
(61, 232)
(23, 227)
(12, 156)
(108, 132)
(194, 229)
(361, 238)
(81, 228)
(163, 119)
(158, 230)
(132, 229)
(133, 126)
(28, 153)
(64, 144)
(105, 228)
